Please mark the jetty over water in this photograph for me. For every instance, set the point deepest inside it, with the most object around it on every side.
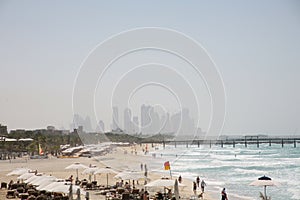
(246, 141)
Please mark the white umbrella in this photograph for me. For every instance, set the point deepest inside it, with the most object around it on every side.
(62, 187)
(264, 181)
(163, 183)
(42, 180)
(131, 176)
(25, 176)
(90, 171)
(38, 176)
(18, 172)
(45, 184)
(76, 166)
(50, 186)
(106, 171)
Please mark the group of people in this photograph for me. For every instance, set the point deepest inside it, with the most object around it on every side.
(197, 184)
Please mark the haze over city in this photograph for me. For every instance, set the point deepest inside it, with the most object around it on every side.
(255, 47)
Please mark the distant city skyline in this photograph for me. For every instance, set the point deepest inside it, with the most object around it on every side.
(254, 45)
(149, 121)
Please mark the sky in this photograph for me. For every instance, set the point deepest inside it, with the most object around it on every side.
(255, 46)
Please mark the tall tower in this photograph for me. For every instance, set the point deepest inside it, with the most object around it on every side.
(136, 128)
(115, 119)
(145, 118)
(128, 125)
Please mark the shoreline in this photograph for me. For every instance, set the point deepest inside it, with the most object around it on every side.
(120, 159)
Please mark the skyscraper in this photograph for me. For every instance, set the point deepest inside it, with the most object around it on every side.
(136, 127)
(100, 128)
(128, 125)
(145, 119)
(115, 119)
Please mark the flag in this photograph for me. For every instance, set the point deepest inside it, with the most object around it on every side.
(167, 165)
(41, 152)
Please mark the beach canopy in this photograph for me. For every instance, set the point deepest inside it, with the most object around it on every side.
(264, 181)
(106, 171)
(131, 176)
(25, 176)
(90, 171)
(163, 183)
(18, 172)
(76, 166)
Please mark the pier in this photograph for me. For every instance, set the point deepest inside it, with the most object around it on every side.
(246, 141)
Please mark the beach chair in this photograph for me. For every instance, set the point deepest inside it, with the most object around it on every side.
(10, 194)
(125, 196)
(3, 185)
(89, 186)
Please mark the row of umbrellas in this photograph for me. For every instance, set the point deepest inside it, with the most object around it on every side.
(53, 184)
(93, 170)
(43, 182)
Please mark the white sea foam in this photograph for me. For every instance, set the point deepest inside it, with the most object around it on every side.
(236, 168)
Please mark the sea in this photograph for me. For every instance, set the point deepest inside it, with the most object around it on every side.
(235, 168)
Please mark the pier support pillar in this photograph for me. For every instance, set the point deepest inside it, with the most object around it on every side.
(175, 144)
(282, 143)
(209, 143)
(257, 143)
(222, 143)
(198, 144)
(164, 145)
(233, 143)
(245, 143)
(187, 145)
(270, 143)
(294, 143)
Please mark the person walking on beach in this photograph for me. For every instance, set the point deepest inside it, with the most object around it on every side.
(203, 184)
(195, 188)
(198, 181)
(179, 179)
(224, 195)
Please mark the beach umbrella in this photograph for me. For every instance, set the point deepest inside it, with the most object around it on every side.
(163, 183)
(106, 171)
(76, 166)
(131, 176)
(25, 176)
(50, 186)
(37, 176)
(264, 181)
(63, 187)
(42, 180)
(90, 171)
(176, 190)
(44, 185)
(18, 172)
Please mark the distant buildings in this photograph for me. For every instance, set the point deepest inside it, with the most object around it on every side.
(152, 121)
(115, 119)
(3, 130)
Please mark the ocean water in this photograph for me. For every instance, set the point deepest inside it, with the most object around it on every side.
(235, 168)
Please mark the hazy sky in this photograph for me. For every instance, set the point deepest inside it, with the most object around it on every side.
(255, 45)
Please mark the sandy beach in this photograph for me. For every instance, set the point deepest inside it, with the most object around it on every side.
(119, 159)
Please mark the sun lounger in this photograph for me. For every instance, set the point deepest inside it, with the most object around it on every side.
(10, 194)
(3, 185)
